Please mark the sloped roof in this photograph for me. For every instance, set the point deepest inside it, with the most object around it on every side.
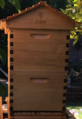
(41, 3)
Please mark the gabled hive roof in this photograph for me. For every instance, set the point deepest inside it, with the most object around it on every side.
(41, 3)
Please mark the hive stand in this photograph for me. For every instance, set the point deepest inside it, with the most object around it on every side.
(45, 116)
(56, 116)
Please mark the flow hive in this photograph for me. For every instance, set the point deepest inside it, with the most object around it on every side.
(38, 52)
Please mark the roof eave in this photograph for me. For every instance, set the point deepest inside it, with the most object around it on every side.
(41, 3)
(3, 26)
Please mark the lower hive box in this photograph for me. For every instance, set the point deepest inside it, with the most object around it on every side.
(35, 91)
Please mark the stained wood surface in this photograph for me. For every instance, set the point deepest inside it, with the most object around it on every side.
(8, 46)
(1, 110)
(8, 106)
(24, 115)
(53, 47)
(34, 19)
(41, 117)
(39, 54)
(28, 95)
(24, 36)
(8, 98)
(38, 59)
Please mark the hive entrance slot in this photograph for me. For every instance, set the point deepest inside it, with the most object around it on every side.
(39, 80)
(38, 111)
(40, 36)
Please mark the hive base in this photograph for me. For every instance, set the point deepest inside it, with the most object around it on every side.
(56, 115)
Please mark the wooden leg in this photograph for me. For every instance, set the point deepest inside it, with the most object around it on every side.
(7, 100)
(1, 110)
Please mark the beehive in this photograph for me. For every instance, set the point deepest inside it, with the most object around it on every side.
(38, 53)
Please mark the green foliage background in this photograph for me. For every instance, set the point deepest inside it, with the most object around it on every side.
(74, 10)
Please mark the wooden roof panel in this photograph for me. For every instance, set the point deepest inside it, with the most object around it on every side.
(41, 3)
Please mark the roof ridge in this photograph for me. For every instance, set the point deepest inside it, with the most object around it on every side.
(41, 3)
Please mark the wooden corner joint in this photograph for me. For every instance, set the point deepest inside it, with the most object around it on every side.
(11, 111)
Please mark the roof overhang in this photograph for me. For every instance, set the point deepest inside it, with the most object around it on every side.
(41, 3)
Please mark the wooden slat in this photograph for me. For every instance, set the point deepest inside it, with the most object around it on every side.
(56, 36)
(8, 98)
(24, 72)
(38, 107)
(46, 48)
(8, 40)
(7, 101)
(38, 61)
(39, 117)
(1, 111)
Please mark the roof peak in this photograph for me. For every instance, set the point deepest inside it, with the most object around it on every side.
(42, 2)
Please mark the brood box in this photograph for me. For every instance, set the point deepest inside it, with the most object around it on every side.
(38, 52)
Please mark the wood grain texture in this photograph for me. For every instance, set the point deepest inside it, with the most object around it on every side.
(32, 19)
(41, 115)
(24, 36)
(38, 117)
(38, 57)
(8, 41)
(39, 54)
(8, 99)
(38, 96)
(56, 48)
(8, 107)
(38, 61)
(1, 110)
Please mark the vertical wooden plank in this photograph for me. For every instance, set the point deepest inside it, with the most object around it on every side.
(9, 46)
(1, 111)
(7, 100)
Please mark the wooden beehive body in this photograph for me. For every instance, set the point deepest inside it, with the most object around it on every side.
(38, 52)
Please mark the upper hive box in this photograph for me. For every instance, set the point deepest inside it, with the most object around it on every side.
(38, 52)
